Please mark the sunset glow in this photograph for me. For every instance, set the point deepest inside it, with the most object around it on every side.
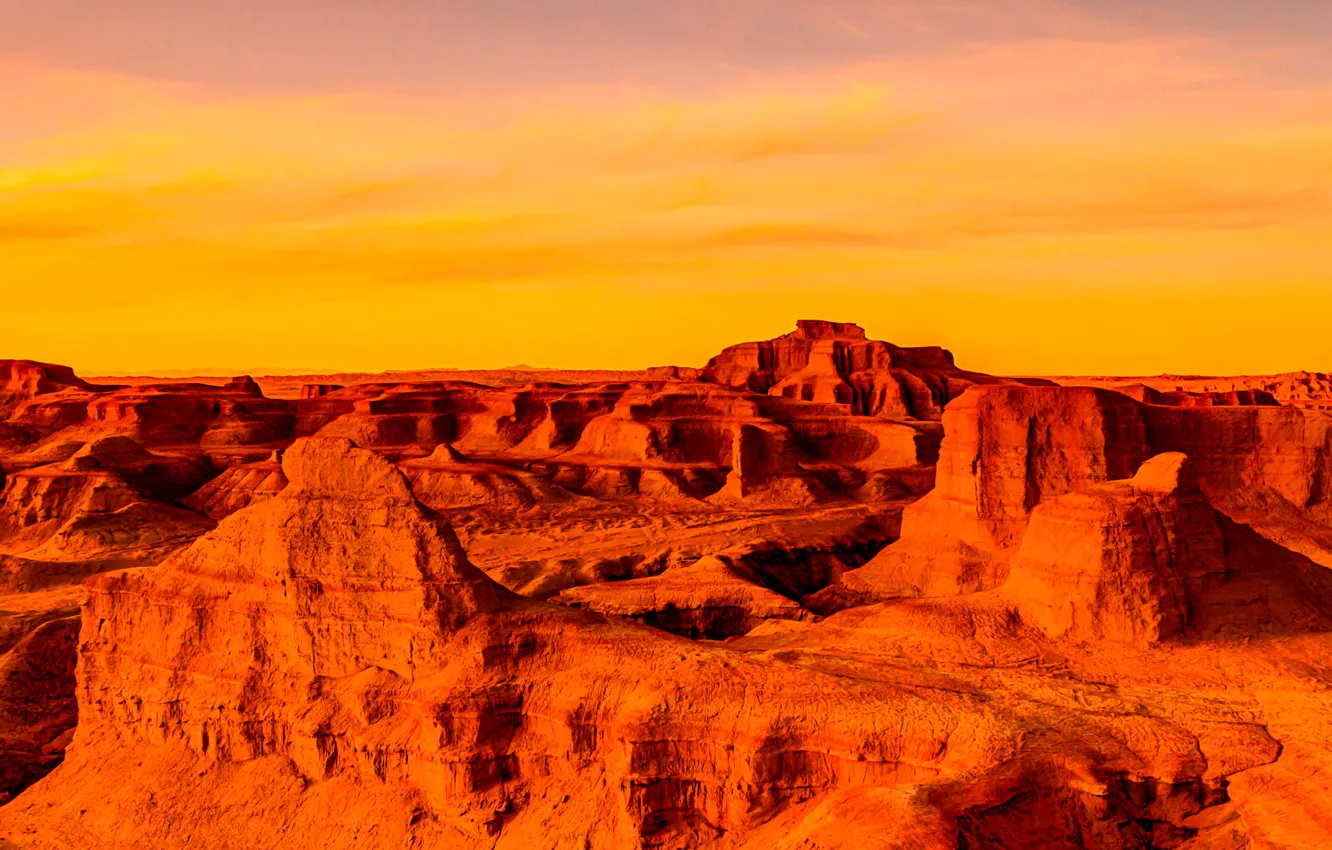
(1066, 189)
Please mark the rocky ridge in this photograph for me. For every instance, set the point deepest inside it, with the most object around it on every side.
(824, 592)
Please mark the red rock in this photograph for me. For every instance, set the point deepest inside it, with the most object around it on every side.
(244, 385)
(712, 598)
(24, 380)
(37, 706)
(319, 390)
(1005, 450)
(352, 648)
(1121, 561)
(1108, 655)
(239, 487)
(62, 522)
(220, 424)
(836, 362)
(1230, 398)
(448, 479)
(1307, 390)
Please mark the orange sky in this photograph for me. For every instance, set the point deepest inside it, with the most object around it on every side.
(1092, 196)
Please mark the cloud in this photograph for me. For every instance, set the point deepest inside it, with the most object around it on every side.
(1048, 165)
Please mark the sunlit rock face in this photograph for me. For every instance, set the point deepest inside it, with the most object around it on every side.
(824, 593)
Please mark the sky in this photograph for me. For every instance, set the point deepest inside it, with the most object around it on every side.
(1042, 186)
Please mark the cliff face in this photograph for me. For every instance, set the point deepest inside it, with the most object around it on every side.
(1305, 390)
(835, 362)
(23, 380)
(1006, 449)
(1106, 625)
(332, 650)
(1122, 561)
(336, 635)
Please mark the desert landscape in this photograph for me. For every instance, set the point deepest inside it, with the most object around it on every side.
(820, 592)
(615, 425)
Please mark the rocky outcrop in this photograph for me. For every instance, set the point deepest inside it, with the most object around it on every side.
(36, 400)
(1005, 450)
(713, 598)
(359, 648)
(239, 487)
(448, 479)
(1178, 398)
(327, 668)
(1121, 561)
(1243, 452)
(245, 385)
(410, 420)
(222, 425)
(697, 441)
(58, 524)
(309, 391)
(37, 706)
(24, 380)
(834, 362)
(62, 522)
(1305, 390)
(793, 552)
(330, 666)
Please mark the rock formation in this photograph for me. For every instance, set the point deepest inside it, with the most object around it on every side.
(1121, 561)
(333, 643)
(836, 362)
(712, 598)
(24, 380)
(827, 592)
(239, 487)
(1305, 390)
(1005, 450)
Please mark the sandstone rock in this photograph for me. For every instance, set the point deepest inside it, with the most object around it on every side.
(1005, 450)
(309, 391)
(712, 598)
(1180, 398)
(245, 385)
(37, 705)
(23, 380)
(1306, 390)
(358, 647)
(239, 487)
(835, 362)
(60, 523)
(219, 424)
(329, 668)
(448, 479)
(1121, 561)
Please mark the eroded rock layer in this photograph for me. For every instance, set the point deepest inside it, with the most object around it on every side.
(333, 643)
(837, 362)
(826, 592)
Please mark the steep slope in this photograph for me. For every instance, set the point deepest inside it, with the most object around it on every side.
(326, 668)
(1005, 450)
(1122, 561)
(836, 362)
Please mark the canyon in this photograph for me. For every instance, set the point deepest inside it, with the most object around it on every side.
(820, 592)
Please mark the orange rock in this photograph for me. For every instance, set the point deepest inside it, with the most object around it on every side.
(1121, 561)
(712, 598)
(1077, 642)
(1005, 450)
(239, 487)
(835, 362)
(23, 380)
(1307, 390)
(336, 634)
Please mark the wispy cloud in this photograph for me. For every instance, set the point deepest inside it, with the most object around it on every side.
(1050, 165)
